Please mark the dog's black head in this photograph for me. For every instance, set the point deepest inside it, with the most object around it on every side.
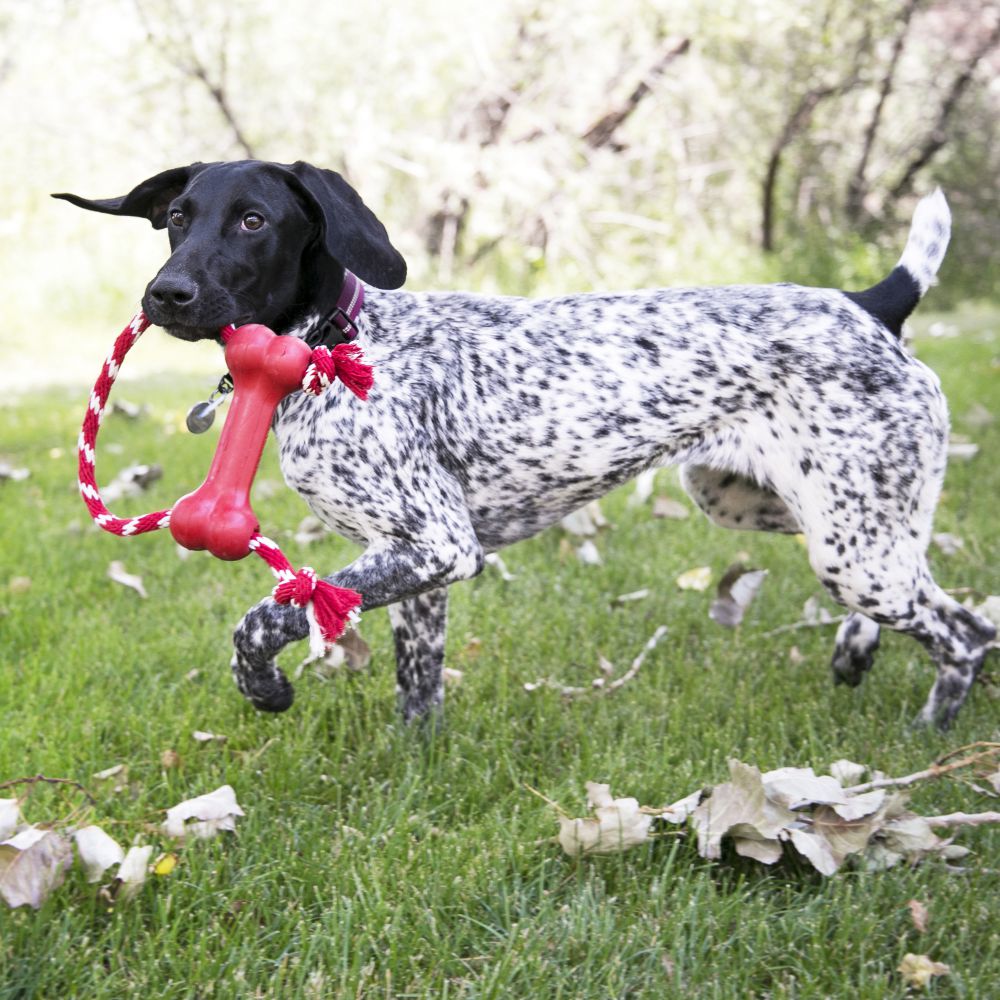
(253, 242)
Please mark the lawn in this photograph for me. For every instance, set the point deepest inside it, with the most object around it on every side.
(377, 861)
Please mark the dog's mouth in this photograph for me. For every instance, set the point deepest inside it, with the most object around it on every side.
(191, 334)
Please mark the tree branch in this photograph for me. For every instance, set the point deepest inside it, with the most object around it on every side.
(602, 132)
(938, 136)
(857, 187)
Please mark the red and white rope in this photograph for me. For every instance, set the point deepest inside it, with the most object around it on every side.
(328, 608)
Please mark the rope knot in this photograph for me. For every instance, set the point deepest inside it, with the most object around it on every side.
(297, 590)
(343, 362)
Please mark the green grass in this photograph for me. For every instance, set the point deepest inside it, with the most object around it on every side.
(379, 862)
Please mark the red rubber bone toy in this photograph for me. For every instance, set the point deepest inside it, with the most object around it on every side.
(217, 516)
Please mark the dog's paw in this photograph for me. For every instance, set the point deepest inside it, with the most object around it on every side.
(263, 683)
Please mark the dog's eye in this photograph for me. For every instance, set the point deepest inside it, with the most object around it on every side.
(252, 222)
(177, 217)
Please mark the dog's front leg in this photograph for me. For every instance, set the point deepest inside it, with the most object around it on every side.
(419, 627)
(393, 570)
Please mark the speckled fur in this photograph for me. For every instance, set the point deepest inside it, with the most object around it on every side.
(788, 408)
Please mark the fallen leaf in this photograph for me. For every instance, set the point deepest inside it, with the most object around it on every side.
(815, 849)
(32, 864)
(98, 851)
(118, 574)
(170, 759)
(630, 598)
(494, 560)
(949, 544)
(585, 521)
(695, 579)
(8, 472)
(813, 613)
(132, 481)
(736, 590)
(678, 812)
(977, 416)
(588, 554)
(795, 656)
(738, 808)
(990, 608)
(19, 584)
(311, 529)
(200, 736)
(129, 410)
(452, 677)
(108, 772)
(668, 507)
(616, 825)
(918, 914)
(963, 451)
(132, 872)
(644, 484)
(165, 864)
(847, 772)
(918, 970)
(350, 651)
(205, 815)
(10, 817)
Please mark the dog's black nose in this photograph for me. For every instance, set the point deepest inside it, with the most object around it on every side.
(173, 291)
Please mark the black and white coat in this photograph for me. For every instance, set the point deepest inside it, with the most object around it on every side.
(789, 409)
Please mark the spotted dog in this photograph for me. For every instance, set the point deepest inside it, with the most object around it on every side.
(789, 409)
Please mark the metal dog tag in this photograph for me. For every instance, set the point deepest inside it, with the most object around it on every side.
(201, 416)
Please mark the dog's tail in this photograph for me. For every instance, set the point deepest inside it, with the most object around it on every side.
(892, 300)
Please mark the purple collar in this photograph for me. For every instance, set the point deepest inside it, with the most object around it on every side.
(341, 325)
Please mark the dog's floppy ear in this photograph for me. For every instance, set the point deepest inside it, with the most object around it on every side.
(148, 200)
(350, 232)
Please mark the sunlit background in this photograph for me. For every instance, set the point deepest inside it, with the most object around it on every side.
(523, 147)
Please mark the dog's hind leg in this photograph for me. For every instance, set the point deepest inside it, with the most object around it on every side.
(419, 626)
(735, 501)
(886, 581)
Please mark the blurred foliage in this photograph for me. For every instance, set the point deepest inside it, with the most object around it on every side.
(528, 146)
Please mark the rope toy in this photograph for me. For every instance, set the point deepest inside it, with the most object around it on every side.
(217, 516)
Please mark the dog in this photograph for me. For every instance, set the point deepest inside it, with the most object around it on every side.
(789, 409)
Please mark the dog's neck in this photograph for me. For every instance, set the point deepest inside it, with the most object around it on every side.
(335, 299)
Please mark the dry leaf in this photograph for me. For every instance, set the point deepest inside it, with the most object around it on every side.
(108, 772)
(118, 573)
(200, 736)
(978, 416)
(664, 506)
(19, 584)
(616, 825)
(585, 521)
(8, 472)
(961, 450)
(740, 808)
(205, 815)
(949, 544)
(170, 759)
(588, 554)
(311, 529)
(452, 677)
(129, 410)
(132, 481)
(32, 864)
(918, 914)
(736, 590)
(10, 817)
(630, 598)
(98, 851)
(494, 560)
(695, 579)
(918, 970)
(132, 872)
(644, 484)
(165, 864)
(847, 772)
